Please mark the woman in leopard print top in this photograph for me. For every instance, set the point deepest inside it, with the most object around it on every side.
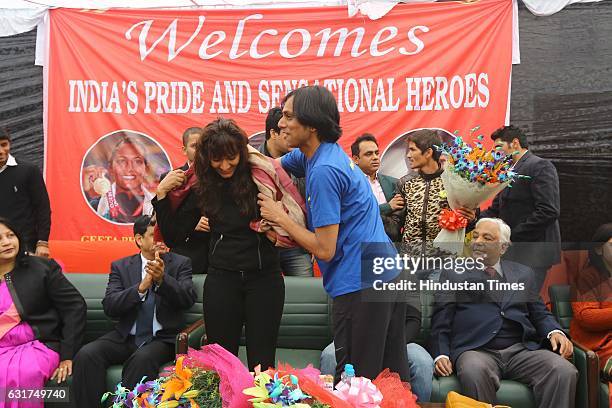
(423, 193)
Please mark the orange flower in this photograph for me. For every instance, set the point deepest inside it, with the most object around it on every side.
(179, 383)
(142, 401)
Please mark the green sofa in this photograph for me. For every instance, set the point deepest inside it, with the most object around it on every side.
(305, 331)
(597, 391)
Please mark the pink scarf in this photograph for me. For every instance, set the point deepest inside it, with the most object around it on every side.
(273, 181)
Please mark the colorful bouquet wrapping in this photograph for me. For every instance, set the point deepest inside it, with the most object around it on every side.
(472, 174)
(286, 386)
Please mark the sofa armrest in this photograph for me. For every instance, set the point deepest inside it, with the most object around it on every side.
(586, 360)
(191, 336)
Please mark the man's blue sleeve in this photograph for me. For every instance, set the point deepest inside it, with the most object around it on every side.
(326, 185)
(294, 163)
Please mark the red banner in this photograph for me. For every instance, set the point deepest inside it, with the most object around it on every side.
(124, 84)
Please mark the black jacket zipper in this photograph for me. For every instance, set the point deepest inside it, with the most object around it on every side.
(215, 246)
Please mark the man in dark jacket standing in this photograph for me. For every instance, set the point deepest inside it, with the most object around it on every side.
(531, 207)
(24, 201)
(367, 156)
(147, 294)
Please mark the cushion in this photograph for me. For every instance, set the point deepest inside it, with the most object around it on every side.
(512, 393)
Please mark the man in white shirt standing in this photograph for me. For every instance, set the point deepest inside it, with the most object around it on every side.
(366, 155)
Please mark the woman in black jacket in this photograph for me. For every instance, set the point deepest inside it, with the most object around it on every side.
(244, 285)
(42, 319)
(183, 227)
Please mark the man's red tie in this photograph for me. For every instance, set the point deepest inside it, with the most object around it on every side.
(491, 271)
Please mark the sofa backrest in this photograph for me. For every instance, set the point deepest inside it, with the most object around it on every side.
(561, 305)
(92, 287)
(306, 321)
(195, 312)
(426, 313)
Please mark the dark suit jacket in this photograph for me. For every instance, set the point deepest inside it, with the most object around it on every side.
(175, 294)
(178, 229)
(388, 185)
(461, 324)
(48, 302)
(531, 208)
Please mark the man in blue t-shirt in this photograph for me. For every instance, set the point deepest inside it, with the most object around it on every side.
(343, 215)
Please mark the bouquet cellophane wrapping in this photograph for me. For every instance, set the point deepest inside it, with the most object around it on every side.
(396, 394)
(462, 193)
(234, 376)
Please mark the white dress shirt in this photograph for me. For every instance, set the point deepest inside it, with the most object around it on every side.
(156, 325)
(10, 162)
(377, 189)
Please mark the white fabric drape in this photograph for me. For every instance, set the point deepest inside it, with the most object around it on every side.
(550, 7)
(19, 16)
(17, 21)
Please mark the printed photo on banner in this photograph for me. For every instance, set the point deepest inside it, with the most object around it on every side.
(120, 173)
(394, 161)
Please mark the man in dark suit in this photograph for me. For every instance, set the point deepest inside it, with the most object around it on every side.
(367, 156)
(485, 333)
(531, 207)
(146, 294)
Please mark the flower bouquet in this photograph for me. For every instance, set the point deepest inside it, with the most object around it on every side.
(183, 387)
(472, 174)
(207, 378)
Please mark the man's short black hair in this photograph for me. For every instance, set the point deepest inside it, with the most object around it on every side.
(315, 106)
(366, 137)
(509, 133)
(272, 119)
(427, 139)
(141, 224)
(4, 134)
(190, 131)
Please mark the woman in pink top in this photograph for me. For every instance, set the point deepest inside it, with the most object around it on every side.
(42, 319)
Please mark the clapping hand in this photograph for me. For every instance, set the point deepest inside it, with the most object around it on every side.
(155, 269)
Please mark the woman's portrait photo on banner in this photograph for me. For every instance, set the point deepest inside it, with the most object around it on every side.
(395, 163)
(120, 173)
